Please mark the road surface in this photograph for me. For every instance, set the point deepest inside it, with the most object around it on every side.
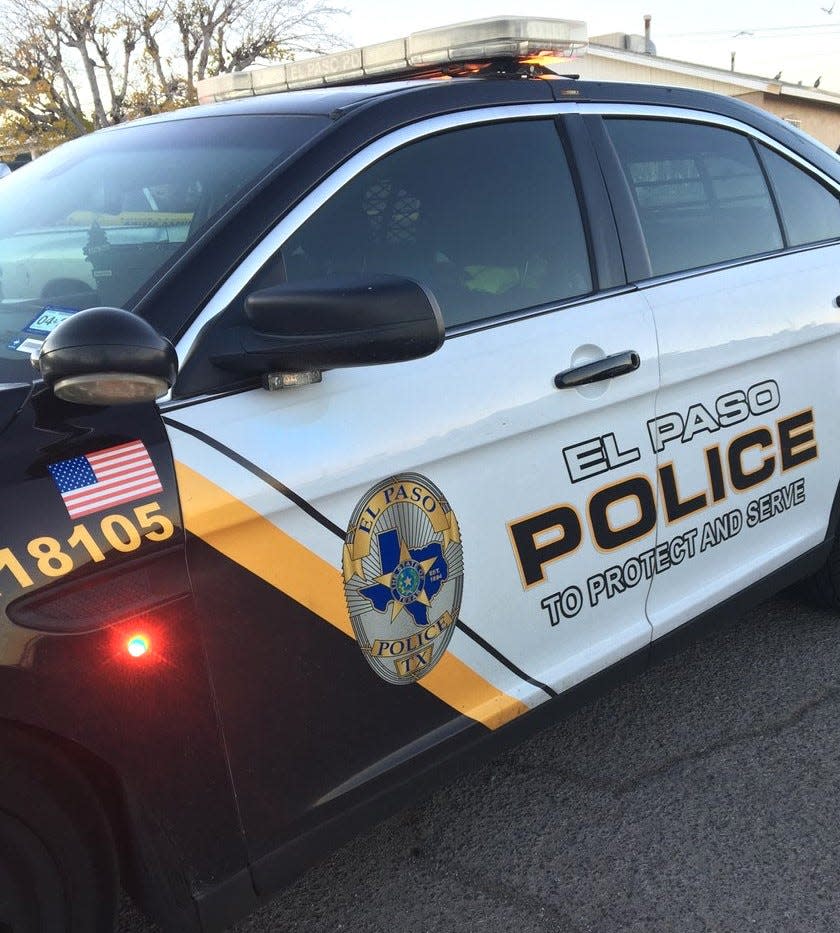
(704, 795)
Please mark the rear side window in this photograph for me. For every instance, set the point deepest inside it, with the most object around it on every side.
(700, 192)
(485, 216)
(810, 212)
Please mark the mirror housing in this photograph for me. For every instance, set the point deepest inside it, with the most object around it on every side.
(311, 327)
(107, 356)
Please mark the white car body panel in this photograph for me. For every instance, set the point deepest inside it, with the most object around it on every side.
(482, 419)
(727, 330)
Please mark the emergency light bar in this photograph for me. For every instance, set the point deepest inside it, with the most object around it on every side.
(483, 40)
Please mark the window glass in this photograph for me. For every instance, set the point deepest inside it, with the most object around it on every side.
(809, 211)
(661, 183)
(700, 192)
(94, 222)
(486, 217)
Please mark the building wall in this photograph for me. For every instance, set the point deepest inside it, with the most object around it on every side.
(821, 120)
(596, 68)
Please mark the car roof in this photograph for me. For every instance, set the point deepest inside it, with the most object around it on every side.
(328, 100)
(438, 92)
(432, 96)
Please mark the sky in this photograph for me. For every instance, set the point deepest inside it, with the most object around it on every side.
(802, 39)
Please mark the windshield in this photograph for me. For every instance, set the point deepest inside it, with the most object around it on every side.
(95, 221)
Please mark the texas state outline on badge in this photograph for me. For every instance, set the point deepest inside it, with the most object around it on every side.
(403, 572)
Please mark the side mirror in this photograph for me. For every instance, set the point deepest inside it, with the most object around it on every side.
(107, 356)
(311, 327)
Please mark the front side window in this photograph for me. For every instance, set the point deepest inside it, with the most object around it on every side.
(699, 190)
(486, 216)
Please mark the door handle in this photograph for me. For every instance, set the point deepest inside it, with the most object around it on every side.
(616, 365)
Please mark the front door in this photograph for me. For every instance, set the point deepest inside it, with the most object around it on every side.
(406, 552)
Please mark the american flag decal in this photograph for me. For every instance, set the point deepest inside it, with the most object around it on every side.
(105, 478)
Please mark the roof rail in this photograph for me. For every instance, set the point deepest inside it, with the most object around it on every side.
(463, 48)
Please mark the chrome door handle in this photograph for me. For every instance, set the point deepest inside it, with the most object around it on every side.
(616, 365)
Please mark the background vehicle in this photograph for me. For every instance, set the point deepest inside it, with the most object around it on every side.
(480, 389)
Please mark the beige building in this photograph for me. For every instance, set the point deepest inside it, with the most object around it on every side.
(619, 57)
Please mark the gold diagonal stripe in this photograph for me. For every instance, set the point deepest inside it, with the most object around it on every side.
(246, 537)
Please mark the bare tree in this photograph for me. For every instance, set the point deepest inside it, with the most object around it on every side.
(71, 54)
(84, 64)
(218, 36)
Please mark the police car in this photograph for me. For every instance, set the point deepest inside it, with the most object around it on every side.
(344, 427)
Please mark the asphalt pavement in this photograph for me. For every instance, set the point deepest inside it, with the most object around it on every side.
(702, 796)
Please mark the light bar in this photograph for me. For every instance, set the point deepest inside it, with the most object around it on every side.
(477, 41)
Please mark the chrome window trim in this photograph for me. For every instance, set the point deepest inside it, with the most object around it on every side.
(269, 245)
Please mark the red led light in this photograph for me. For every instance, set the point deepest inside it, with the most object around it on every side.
(138, 645)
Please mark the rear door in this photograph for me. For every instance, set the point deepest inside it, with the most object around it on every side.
(742, 239)
(402, 553)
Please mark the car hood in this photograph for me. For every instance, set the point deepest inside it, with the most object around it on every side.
(13, 396)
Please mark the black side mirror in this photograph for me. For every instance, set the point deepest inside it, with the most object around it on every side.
(107, 356)
(311, 327)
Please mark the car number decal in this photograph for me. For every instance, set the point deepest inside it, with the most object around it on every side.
(50, 557)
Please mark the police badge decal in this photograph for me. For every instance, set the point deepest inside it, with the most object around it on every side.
(403, 576)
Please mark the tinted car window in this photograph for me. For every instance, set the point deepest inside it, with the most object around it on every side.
(810, 212)
(700, 192)
(96, 221)
(486, 216)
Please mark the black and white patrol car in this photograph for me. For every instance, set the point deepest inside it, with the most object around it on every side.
(365, 420)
